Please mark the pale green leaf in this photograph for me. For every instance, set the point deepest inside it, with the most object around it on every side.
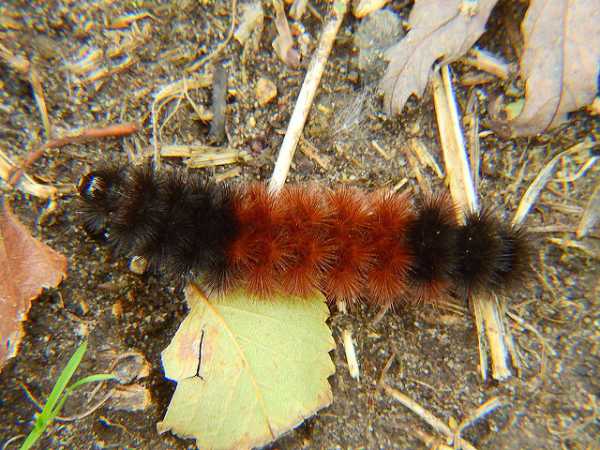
(247, 371)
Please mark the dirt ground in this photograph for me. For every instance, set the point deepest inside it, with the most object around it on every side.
(552, 404)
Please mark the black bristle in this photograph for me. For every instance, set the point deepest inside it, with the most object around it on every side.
(180, 222)
(432, 239)
(516, 251)
(138, 215)
(492, 256)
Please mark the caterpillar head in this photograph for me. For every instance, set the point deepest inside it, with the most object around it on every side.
(98, 192)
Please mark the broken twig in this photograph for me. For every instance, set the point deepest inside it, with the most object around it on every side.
(492, 333)
(306, 96)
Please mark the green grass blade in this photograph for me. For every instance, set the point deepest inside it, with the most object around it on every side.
(91, 379)
(62, 382)
(68, 391)
(32, 437)
(60, 393)
(48, 413)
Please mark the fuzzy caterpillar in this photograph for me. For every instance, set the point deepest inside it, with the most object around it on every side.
(349, 244)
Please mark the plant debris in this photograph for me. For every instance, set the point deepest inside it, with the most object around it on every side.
(284, 42)
(560, 62)
(440, 32)
(26, 267)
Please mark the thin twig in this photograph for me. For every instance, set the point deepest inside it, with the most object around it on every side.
(472, 118)
(458, 169)
(386, 368)
(590, 215)
(219, 104)
(533, 191)
(25, 182)
(30, 396)
(435, 423)
(11, 440)
(350, 351)
(488, 62)
(87, 412)
(28, 72)
(284, 42)
(89, 134)
(478, 414)
(313, 153)
(524, 324)
(176, 90)
(79, 416)
(306, 95)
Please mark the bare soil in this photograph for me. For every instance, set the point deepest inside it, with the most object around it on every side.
(552, 404)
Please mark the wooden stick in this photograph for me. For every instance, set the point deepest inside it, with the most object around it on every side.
(435, 423)
(492, 333)
(306, 96)
(118, 130)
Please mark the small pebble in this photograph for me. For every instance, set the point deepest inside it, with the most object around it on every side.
(265, 91)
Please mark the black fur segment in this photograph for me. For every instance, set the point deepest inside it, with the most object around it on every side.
(493, 256)
(432, 240)
(180, 222)
(516, 250)
(99, 193)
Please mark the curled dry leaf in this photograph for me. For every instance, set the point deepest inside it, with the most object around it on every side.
(560, 62)
(26, 266)
(440, 32)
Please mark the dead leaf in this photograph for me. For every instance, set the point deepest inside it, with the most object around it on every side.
(560, 62)
(26, 266)
(440, 31)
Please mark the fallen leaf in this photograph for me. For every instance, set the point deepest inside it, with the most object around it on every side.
(247, 371)
(560, 62)
(26, 266)
(440, 32)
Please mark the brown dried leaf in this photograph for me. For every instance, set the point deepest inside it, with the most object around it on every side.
(26, 266)
(440, 31)
(560, 62)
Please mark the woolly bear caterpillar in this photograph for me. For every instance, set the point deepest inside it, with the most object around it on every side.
(378, 246)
